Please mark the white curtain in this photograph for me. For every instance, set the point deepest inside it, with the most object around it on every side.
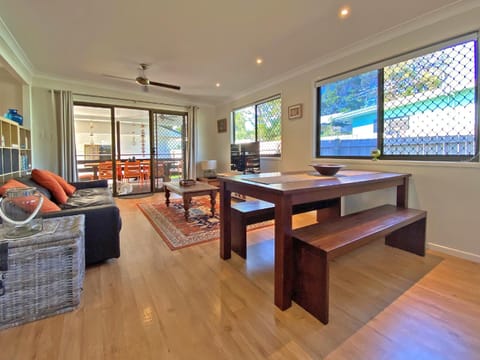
(191, 159)
(63, 109)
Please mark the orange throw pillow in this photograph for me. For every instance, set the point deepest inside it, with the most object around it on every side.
(47, 205)
(48, 181)
(68, 188)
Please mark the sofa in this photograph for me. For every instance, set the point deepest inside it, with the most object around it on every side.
(102, 217)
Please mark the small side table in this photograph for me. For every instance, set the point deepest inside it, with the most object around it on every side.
(44, 272)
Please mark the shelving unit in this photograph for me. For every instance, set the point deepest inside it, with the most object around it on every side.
(15, 150)
(245, 157)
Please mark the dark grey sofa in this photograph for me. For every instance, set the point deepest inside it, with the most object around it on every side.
(102, 217)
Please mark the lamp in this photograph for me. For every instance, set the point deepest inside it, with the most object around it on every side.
(209, 167)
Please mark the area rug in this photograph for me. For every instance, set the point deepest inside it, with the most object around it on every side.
(177, 233)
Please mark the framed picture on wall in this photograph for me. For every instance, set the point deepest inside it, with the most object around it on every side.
(295, 111)
(222, 125)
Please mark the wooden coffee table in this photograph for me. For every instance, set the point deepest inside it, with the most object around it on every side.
(188, 192)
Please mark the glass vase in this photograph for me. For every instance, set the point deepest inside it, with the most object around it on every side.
(13, 114)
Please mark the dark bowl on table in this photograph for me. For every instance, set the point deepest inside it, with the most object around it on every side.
(328, 169)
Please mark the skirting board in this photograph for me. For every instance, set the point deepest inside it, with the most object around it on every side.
(454, 252)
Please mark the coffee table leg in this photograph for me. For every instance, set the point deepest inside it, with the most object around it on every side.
(167, 197)
(213, 196)
(186, 205)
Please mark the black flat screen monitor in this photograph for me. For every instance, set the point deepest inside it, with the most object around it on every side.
(245, 157)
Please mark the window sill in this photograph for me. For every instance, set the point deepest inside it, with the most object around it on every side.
(402, 163)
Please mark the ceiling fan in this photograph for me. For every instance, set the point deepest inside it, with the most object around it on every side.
(142, 79)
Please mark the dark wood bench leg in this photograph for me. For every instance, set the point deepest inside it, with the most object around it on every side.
(238, 227)
(330, 212)
(311, 280)
(409, 238)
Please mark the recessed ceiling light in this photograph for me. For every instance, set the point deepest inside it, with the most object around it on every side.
(344, 12)
(217, 84)
(259, 61)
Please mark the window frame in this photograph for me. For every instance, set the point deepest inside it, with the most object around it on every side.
(379, 67)
(255, 105)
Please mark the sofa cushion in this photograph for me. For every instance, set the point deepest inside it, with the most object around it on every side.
(89, 197)
(68, 188)
(47, 205)
(45, 179)
(27, 180)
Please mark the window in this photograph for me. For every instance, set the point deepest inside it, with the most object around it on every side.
(419, 106)
(261, 122)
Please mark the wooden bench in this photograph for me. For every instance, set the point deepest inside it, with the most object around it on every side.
(315, 245)
(252, 212)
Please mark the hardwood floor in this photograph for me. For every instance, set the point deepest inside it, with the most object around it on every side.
(154, 303)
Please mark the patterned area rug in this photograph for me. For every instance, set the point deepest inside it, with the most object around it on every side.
(177, 233)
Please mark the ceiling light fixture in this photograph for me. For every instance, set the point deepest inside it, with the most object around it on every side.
(217, 84)
(344, 12)
(259, 61)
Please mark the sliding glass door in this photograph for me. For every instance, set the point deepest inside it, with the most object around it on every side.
(132, 144)
(169, 147)
(93, 140)
(113, 143)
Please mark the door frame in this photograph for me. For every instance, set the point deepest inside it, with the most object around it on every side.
(153, 143)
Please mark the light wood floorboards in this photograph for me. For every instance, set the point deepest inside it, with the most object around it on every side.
(154, 303)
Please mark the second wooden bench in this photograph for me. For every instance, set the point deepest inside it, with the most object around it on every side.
(315, 245)
(252, 212)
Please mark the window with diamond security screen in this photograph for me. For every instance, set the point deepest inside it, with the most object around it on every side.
(423, 107)
(260, 122)
(348, 121)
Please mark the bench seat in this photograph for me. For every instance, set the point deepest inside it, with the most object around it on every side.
(255, 211)
(316, 244)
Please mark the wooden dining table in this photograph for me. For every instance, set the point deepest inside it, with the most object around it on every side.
(290, 188)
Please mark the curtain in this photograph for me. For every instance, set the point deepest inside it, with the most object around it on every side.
(63, 110)
(191, 143)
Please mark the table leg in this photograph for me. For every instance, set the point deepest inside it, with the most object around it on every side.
(283, 253)
(225, 223)
(95, 172)
(186, 205)
(167, 197)
(213, 201)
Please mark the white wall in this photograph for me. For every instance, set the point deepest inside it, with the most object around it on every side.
(205, 136)
(214, 145)
(10, 93)
(449, 192)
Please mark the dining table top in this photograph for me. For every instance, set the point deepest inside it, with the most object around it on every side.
(292, 181)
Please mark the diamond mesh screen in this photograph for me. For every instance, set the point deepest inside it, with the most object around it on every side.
(261, 122)
(269, 126)
(429, 104)
(169, 145)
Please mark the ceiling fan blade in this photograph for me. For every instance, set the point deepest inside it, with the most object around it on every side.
(169, 86)
(142, 80)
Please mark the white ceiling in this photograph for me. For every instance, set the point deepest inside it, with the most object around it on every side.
(196, 44)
